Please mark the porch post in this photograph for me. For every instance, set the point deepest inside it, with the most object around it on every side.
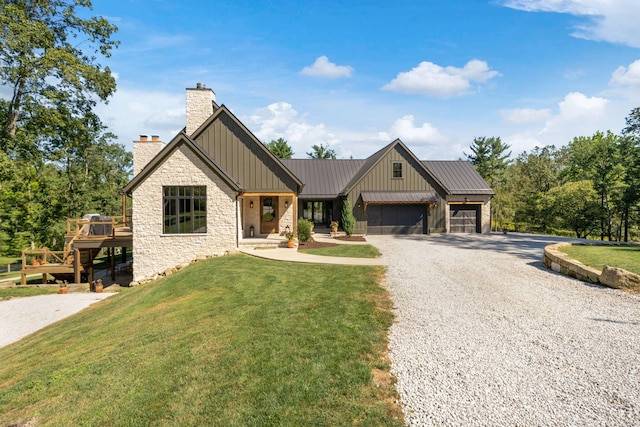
(294, 202)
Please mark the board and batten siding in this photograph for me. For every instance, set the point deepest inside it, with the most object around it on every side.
(239, 154)
(414, 178)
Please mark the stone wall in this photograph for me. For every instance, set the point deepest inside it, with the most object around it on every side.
(155, 252)
(612, 277)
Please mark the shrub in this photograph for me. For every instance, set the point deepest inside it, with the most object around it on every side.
(304, 230)
(348, 220)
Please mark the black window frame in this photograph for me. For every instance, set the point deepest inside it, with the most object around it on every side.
(184, 209)
(396, 173)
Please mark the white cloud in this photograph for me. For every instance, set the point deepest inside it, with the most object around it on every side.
(614, 21)
(281, 120)
(434, 80)
(578, 115)
(131, 113)
(627, 76)
(405, 129)
(524, 115)
(323, 68)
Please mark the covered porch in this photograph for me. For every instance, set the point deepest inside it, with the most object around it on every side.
(264, 215)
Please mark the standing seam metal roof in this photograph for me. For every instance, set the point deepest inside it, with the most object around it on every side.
(458, 176)
(323, 178)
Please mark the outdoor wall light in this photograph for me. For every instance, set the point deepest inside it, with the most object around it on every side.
(286, 203)
(251, 204)
(287, 230)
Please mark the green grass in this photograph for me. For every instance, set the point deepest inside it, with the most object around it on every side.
(597, 256)
(26, 291)
(4, 260)
(233, 341)
(350, 251)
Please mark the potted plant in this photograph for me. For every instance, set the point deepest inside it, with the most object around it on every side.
(291, 240)
(63, 288)
(334, 226)
(98, 286)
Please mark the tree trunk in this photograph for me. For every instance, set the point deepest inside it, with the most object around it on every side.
(13, 111)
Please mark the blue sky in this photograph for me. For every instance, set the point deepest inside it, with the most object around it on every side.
(355, 74)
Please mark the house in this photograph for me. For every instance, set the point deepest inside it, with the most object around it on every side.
(216, 184)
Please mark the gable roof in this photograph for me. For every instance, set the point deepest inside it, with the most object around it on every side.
(458, 177)
(178, 141)
(375, 158)
(323, 178)
(220, 114)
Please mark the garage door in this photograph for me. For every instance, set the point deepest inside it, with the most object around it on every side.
(396, 219)
(463, 219)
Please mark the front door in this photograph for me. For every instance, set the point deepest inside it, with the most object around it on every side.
(268, 215)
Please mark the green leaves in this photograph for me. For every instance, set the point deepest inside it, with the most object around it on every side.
(280, 148)
(321, 152)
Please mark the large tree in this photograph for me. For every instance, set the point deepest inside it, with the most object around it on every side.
(280, 148)
(321, 152)
(48, 55)
(630, 153)
(597, 158)
(490, 158)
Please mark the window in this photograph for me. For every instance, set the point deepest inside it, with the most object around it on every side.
(397, 170)
(185, 209)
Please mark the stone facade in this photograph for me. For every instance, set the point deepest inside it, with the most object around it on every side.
(199, 107)
(155, 252)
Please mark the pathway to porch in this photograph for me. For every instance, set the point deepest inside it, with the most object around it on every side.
(293, 255)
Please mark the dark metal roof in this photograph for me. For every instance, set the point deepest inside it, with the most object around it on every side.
(323, 178)
(458, 176)
(395, 197)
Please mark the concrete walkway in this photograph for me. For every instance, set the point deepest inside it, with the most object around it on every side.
(293, 255)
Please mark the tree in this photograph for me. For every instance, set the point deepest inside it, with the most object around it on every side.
(348, 220)
(321, 152)
(534, 174)
(630, 152)
(489, 158)
(575, 206)
(47, 56)
(597, 158)
(280, 148)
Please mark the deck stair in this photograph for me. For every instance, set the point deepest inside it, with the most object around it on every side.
(83, 240)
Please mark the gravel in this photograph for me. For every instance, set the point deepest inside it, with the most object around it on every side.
(486, 335)
(20, 317)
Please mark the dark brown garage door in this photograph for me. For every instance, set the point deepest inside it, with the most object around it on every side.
(396, 219)
(464, 218)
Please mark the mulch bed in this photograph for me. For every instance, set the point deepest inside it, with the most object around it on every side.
(312, 244)
(351, 238)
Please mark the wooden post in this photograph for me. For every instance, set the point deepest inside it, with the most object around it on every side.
(76, 266)
(113, 264)
(124, 255)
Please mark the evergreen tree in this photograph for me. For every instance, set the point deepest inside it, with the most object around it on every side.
(280, 148)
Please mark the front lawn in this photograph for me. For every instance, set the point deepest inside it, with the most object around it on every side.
(597, 256)
(227, 341)
(343, 250)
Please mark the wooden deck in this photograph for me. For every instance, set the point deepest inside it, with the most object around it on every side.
(83, 240)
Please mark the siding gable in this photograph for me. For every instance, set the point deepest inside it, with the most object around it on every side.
(378, 175)
(230, 144)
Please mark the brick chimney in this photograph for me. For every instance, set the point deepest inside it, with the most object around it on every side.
(144, 150)
(199, 106)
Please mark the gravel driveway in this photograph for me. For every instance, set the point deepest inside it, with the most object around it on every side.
(20, 317)
(486, 335)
